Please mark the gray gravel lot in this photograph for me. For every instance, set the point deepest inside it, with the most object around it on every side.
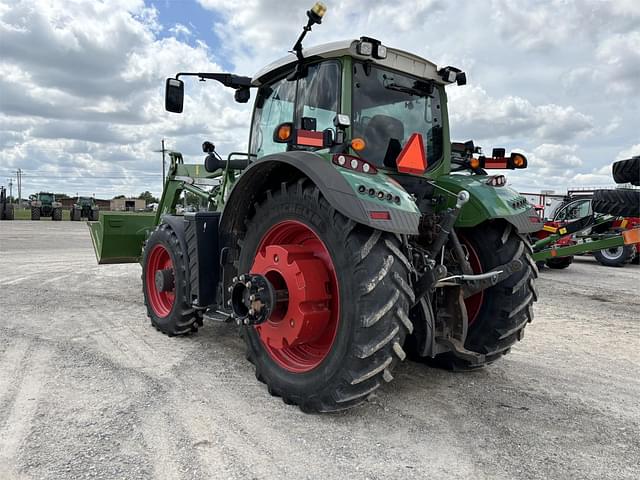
(89, 390)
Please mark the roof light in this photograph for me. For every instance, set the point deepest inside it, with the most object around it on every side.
(354, 163)
(365, 48)
(358, 144)
(341, 160)
(381, 52)
(497, 181)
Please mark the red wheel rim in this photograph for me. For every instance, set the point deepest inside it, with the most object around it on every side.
(474, 302)
(161, 302)
(299, 334)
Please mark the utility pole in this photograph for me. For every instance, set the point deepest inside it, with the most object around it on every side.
(19, 173)
(11, 189)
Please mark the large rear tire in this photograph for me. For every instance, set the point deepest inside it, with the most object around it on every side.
(616, 256)
(620, 202)
(497, 315)
(9, 213)
(166, 298)
(627, 171)
(56, 214)
(357, 280)
(35, 213)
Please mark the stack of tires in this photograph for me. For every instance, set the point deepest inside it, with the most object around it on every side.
(621, 202)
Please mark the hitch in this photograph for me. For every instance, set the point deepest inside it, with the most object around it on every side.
(253, 299)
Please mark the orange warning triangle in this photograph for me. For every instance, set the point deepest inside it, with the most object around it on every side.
(412, 158)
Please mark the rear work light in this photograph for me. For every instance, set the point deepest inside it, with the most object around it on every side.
(497, 181)
(354, 163)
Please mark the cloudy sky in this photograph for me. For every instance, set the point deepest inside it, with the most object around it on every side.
(81, 96)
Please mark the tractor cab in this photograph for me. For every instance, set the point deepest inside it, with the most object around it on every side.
(355, 96)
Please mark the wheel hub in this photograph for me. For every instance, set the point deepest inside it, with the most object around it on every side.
(305, 277)
(164, 280)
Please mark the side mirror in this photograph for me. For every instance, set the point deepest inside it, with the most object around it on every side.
(174, 95)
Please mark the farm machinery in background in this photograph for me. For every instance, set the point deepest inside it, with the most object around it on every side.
(350, 235)
(6, 207)
(84, 207)
(605, 223)
(44, 204)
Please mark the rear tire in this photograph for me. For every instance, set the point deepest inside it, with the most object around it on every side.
(169, 311)
(35, 213)
(56, 215)
(615, 257)
(9, 213)
(370, 296)
(559, 263)
(627, 171)
(506, 308)
(620, 202)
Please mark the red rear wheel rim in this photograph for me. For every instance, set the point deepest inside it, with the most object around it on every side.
(161, 302)
(299, 334)
(474, 302)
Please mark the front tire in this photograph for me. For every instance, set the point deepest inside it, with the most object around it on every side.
(56, 215)
(35, 213)
(356, 282)
(166, 298)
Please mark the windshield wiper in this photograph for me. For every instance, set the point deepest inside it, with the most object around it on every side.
(421, 89)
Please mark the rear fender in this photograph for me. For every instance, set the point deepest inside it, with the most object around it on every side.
(341, 188)
(489, 203)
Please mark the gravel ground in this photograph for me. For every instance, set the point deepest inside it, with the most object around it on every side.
(89, 390)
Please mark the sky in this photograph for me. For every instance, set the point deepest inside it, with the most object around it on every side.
(81, 95)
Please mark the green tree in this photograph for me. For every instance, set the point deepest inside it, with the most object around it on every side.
(148, 197)
(119, 196)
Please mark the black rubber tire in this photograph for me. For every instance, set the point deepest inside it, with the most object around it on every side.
(9, 213)
(94, 215)
(183, 318)
(636, 259)
(72, 214)
(619, 258)
(35, 213)
(620, 202)
(56, 214)
(559, 263)
(508, 306)
(627, 171)
(362, 354)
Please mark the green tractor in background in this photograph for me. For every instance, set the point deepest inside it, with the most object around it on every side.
(351, 234)
(85, 207)
(44, 204)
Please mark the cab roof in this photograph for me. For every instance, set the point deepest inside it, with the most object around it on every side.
(396, 59)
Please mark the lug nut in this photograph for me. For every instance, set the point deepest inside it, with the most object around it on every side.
(252, 311)
(248, 284)
(230, 289)
(252, 297)
(234, 279)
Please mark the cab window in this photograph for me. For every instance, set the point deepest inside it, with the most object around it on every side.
(311, 103)
(274, 105)
(318, 96)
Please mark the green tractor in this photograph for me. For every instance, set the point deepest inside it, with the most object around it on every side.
(6, 207)
(85, 207)
(349, 236)
(44, 204)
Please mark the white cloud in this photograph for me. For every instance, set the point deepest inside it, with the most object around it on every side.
(475, 114)
(82, 92)
(632, 151)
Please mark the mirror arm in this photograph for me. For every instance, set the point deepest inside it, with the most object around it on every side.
(227, 79)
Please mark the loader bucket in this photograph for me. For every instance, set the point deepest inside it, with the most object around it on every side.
(118, 237)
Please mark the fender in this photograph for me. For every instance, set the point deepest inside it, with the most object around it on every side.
(347, 191)
(488, 203)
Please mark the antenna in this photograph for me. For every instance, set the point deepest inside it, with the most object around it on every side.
(315, 16)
